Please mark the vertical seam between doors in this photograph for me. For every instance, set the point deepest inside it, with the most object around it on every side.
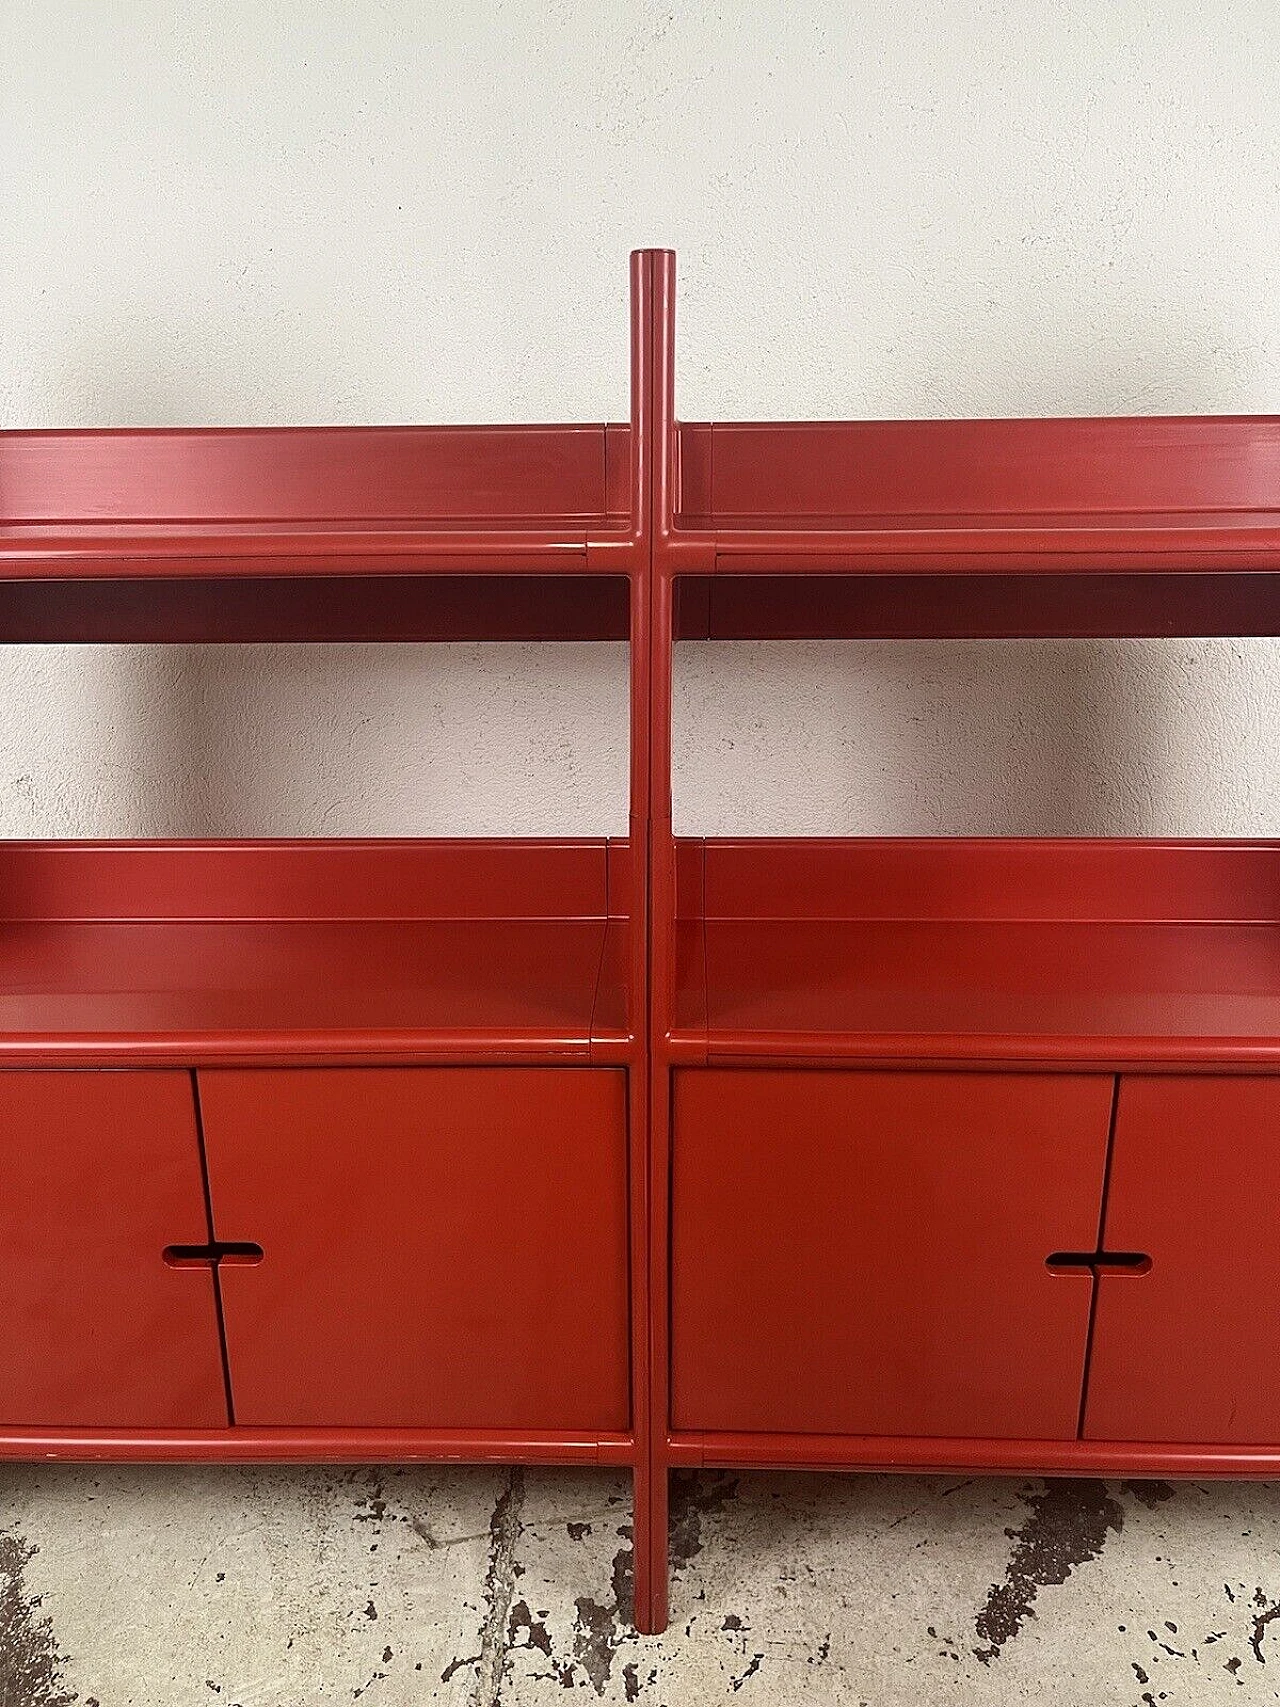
(1099, 1244)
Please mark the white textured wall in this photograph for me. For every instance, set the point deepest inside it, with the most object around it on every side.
(398, 210)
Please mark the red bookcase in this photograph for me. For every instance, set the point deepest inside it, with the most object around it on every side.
(956, 1144)
(917, 1154)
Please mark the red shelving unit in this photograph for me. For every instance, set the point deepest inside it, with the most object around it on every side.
(915, 1154)
(384, 1104)
(949, 1137)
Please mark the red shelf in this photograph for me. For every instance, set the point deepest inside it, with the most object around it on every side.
(981, 951)
(282, 501)
(962, 497)
(329, 951)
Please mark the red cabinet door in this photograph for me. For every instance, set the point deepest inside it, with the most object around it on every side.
(99, 1174)
(864, 1252)
(1189, 1351)
(442, 1247)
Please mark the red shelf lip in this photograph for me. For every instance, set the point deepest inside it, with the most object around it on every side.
(979, 1050)
(227, 554)
(314, 1048)
(997, 1457)
(965, 546)
(243, 1444)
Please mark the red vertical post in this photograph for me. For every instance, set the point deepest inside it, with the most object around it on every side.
(639, 1166)
(662, 905)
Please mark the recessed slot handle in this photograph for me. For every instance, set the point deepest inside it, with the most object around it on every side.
(1098, 1262)
(204, 1256)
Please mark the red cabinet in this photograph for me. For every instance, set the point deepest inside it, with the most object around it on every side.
(1189, 1348)
(99, 1175)
(865, 1252)
(441, 1247)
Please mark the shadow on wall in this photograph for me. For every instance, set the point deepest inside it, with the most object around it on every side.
(993, 737)
(355, 740)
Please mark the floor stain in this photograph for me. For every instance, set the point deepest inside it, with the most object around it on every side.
(31, 1663)
(695, 1494)
(1149, 1494)
(522, 1623)
(1268, 1615)
(1068, 1525)
(602, 1627)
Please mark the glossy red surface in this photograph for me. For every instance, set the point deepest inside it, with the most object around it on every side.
(304, 881)
(880, 1268)
(293, 950)
(443, 1248)
(931, 950)
(1112, 468)
(99, 1172)
(223, 501)
(1190, 1350)
(202, 992)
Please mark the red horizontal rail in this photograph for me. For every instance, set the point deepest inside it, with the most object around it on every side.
(385, 551)
(271, 1046)
(982, 551)
(980, 1049)
(244, 1445)
(982, 1457)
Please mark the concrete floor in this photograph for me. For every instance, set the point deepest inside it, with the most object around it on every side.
(279, 1588)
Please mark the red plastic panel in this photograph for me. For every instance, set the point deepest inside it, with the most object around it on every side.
(195, 951)
(1190, 1350)
(988, 469)
(305, 881)
(99, 1174)
(993, 878)
(201, 991)
(295, 474)
(444, 1248)
(864, 1253)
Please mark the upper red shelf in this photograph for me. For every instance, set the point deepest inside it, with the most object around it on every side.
(1042, 499)
(314, 501)
(1032, 496)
